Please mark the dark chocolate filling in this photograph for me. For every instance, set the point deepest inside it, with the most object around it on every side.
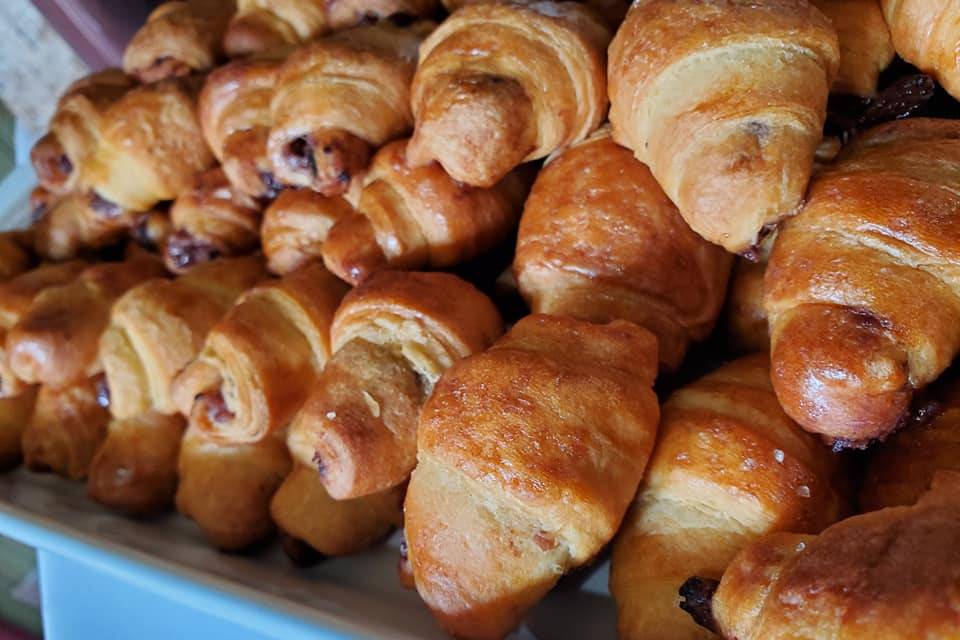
(186, 251)
(104, 207)
(300, 155)
(103, 391)
(696, 598)
(65, 165)
(217, 409)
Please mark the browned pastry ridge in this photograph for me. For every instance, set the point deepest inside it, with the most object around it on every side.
(925, 34)
(888, 574)
(211, 220)
(74, 129)
(179, 38)
(612, 11)
(734, 155)
(392, 338)
(865, 45)
(15, 414)
(262, 25)
(728, 467)
(528, 456)
(861, 304)
(339, 98)
(78, 223)
(411, 218)
(500, 83)
(296, 225)
(599, 240)
(746, 319)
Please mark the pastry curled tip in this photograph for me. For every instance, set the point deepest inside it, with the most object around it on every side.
(252, 33)
(325, 161)
(351, 251)
(696, 598)
(162, 68)
(50, 161)
(183, 251)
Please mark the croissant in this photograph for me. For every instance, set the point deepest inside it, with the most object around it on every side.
(528, 456)
(295, 226)
(889, 574)
(226, 488)
(67, 427)
(865, 45)
(150, 148)
(734, 155)
(261, 360)
(16, 256)
(55, 343)
(303, 510)
(74, 129)
(135, 469)
(599, 240)
(234, 111)
(500, 83)
(211, 220)
(262, 25)
(15, 413)
(925, 34)
(746, 323)
(178, 39)
(338, 98)
(410, 218)
(151, 229)
(392, 337)
(729, 467)
(849, 345)
(78, 223)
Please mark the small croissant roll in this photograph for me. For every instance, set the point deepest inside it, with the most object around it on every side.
(528, 457)
(151, 146)
(296, 225)
(212, 219)
(15, 414)
(411, 218)
(729, 467)
(734, 154)
(889, 574)
(158, 327)
(862, 310)
(925, 34)
(303, 510)
(234, 111)
(600, 240)
(226, 488)
(392, 337)
(747, 327)
(78, 223)
(260, 361)
(74, 129)
(865, 45)
(56, 342)
(501, 83)
(66, 429)
(339, 98)
(178, 39)
(135, 469)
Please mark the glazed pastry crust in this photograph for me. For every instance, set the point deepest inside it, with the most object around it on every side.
(296, 225)
(865, 45)
(79, 223)
(925, 34)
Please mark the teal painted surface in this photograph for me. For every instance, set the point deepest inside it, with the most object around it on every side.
(7, 149)
(17, 562)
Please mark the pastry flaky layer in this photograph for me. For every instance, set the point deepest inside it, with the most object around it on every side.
(600, 240)
(925, 34)
(500, 83)
(865, 45)
(528, 456)
(393, 337)
(735, 156)
(729, 466)
(260, 361)
(295, 227)
(891, 574)
(861, 289)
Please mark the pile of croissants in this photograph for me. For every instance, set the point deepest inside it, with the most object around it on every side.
(335, 267)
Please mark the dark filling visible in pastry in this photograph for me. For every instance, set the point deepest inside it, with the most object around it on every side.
(103, 391)
(696, 598)
(321, 465)
(300, 155)
(217, 409)
(38, 211)
(272, 187)
(65, 165)
(104, 207)
(186, 251)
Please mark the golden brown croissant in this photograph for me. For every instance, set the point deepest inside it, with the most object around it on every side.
(226, 488)
(392, 337)
(411, 218)
(150, 230)
(339, 98)
(729, 466)
(15, 413)
(135, 469)
(151, 146)
(612, 11)
(734, 154)
(262, 25)
(213, 219)
(179, 38)
(746, 319)
(74, 130)
(303, 510)
(234, 110)
(865, 45)
(925, 34)
(56, 342)
(78, 223)
(260, 361)
(528, 457)
(599, 240)
(500, 83)
(861, 306)
(16, 255)
(295, 226)
(888, 574)
(67, 427)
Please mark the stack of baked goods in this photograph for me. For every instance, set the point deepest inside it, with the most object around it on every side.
(331, 268)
